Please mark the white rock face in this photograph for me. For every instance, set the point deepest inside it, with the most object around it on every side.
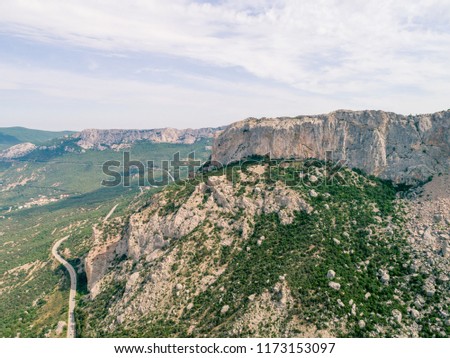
(313, 194)
(414, 313)
(132, 280)
(334, 285)
(331, 274)
(392, 146)
(17, 151)
(99, 258)
(397, 316)
(224, 309)
(99, 138)
(384, 276)
(150, 231)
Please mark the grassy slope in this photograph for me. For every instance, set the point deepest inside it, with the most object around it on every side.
(26, 235)
(15, 135)
(56, 172)
(7, 141)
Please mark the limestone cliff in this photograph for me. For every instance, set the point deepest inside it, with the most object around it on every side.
(106, 249)
(101, 138)
(388, 145)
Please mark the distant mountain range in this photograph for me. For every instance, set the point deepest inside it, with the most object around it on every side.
(388, 145)
(20, 142)
(10, 136)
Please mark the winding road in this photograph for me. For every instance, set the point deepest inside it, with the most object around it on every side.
(73, 288)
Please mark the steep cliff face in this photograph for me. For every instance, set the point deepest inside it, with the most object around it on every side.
(388, 145)
(106, 249)
(100, 138)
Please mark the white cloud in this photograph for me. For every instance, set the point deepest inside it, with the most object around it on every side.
(279, 41)
(357, 53)
(106, 102)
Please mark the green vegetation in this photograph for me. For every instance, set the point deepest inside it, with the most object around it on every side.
(14, 135)
(32, 286)
(27, 237)
(355, 228)
(271, 272)
(304, 251)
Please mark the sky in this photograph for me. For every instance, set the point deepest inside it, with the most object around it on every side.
(77, 64)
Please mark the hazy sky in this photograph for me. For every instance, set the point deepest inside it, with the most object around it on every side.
(77, 64)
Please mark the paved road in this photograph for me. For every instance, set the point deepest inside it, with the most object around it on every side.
(73, 288)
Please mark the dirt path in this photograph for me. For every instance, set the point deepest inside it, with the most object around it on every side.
(110, 213)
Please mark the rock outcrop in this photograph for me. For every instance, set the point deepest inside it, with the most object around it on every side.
(17, 151)
(99, 259)
(149, 232)
(388, 145)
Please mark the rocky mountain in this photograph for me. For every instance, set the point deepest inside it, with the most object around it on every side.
(271, 249)
(101, 138)
(287, 246)
(388, 145)
(291, 246)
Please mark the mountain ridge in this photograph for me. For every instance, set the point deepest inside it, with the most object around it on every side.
(10, 136)
(102, 139)
(98, 138)
(385, 144)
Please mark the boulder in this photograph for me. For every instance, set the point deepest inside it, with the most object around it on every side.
(224, 309)
(313, 194)
(397, 316)
(334, 285)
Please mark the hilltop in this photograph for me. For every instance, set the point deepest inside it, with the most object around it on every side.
(10, 136)
(266, 250)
